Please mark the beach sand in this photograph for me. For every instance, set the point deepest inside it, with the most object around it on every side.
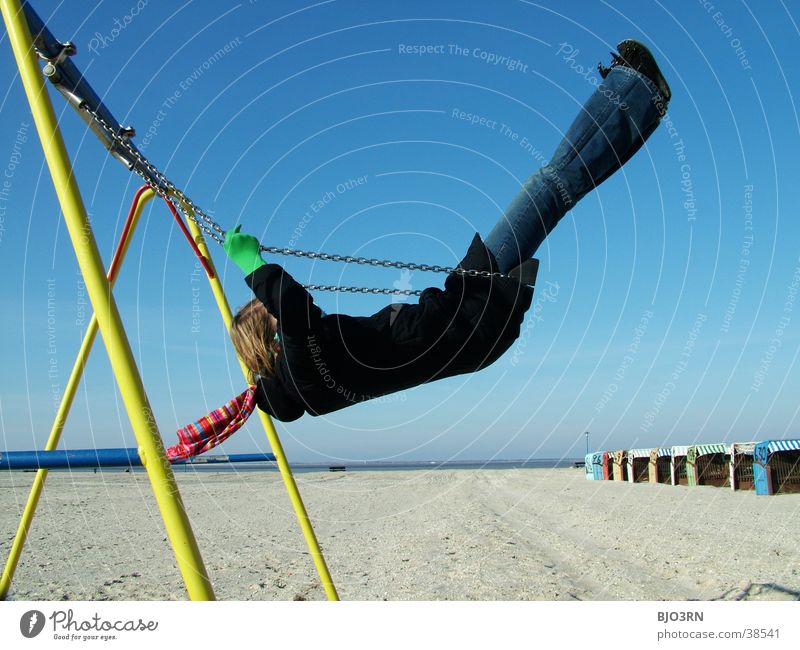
(515, 534)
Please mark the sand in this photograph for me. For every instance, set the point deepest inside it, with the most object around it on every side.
(518, 534)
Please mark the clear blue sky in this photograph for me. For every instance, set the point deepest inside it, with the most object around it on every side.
(649, 328)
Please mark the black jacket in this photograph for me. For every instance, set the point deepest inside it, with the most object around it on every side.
(328, 362)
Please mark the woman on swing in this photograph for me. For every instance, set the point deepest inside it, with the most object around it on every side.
(304, 361)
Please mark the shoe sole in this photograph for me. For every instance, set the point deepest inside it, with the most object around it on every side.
(647, 55)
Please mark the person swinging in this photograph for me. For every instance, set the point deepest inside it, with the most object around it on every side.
(302, 360)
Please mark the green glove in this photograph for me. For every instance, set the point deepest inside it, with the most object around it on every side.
(244, 250)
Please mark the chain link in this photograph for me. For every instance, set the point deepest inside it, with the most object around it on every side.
(369, 290)
(141, 166)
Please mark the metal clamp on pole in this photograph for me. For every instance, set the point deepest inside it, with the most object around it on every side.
(69, 81)
(51, 68)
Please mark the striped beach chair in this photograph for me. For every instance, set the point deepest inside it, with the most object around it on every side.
(659, 470)
(678, 464)
(741, 465)
(776, 466)
(597, 466)
(608, 465)
(588, 469)
(638, 462)
(708, 465)
(620, 465)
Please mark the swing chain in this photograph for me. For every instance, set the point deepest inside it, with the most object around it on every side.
(151, 175)
(371, 261)
(148, 172)
(368, 290)
(140, 165)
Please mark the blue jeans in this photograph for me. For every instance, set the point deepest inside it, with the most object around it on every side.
(612, 125)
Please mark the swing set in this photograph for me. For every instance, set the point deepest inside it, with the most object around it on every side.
(32, 42)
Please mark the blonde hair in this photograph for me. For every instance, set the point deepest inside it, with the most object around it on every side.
(253, 338)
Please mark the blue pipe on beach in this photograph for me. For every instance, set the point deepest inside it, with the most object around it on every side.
(75, 458)
(116, 457)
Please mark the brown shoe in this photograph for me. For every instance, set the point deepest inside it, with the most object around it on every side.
(635, 55)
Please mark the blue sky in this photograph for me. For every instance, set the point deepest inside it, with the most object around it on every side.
(665, 312)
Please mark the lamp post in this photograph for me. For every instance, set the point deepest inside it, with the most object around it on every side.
(587, 442)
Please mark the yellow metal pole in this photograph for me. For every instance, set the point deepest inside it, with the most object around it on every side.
(63, 409)
(272, 434)
(151, 447)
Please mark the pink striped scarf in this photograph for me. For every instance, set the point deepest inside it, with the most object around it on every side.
(213, 429)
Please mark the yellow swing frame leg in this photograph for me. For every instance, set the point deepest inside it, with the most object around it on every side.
(269, 429)
(63, 410)
(151, 447)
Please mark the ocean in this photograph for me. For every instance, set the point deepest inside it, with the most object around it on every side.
(377, 466)
(344, 466)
